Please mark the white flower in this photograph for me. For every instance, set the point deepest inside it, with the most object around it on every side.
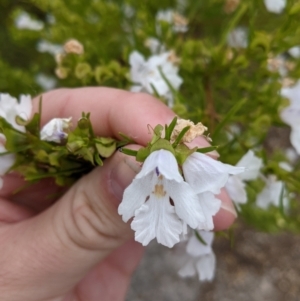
(145, 74)
(199, 258)
(291, 114)
(238, 38)
(45, 81)
(24, 21)
(46, 46)
(275, 6)
(236, 185)
(10, 108)
(160, 201)
(272, 193)
(179, 22)
(207, 176)
(154, 45)
(54, 129)
(295, 52)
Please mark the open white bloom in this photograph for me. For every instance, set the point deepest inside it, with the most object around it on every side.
(295, 52)
(207, 176)
(199, 258)
(272, 193)
(10, 108)
(178, 21)
(146, 74)
(238, 38)
(54, 129)
(291, 114)
(236, 183)
(160, 201)
(275, 6)
(24, 21)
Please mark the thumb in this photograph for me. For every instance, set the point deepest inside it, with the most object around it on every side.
(62, 244)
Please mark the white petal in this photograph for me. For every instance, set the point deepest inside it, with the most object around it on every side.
(270, 194)
(292, 93)
(136, 59)
(163, 162)
(157, 218)
(188, 269)
(294, 52)
(252, 166)
(196, 248)
(206, 174)
(275, 6)
(236, 190)
(135, 196)
(210, 207)
(206, 267)
(186, 202)
(295, 138)
(238, 38)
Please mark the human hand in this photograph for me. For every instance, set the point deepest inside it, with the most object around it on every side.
(77, 247)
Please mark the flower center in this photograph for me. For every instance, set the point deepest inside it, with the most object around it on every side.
(159, 191)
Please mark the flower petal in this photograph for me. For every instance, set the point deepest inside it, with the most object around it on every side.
(236, 190)
(210, 206)
(163, 162)
(188, 269)
(206, 174)
(196, 248)
(186, 202)
(252, 164)
(135, 196)
(157, 218)
(206, 267)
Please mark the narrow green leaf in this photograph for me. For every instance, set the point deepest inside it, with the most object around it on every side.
(180, 136)
(200, 238)
(127, 151)
(229, 115)
(170, 128)
(208, 149)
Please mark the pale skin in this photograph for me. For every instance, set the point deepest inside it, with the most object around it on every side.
(77, 247)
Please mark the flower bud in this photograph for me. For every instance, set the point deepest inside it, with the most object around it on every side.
(73, 46)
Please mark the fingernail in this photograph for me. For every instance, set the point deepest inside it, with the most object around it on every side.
(122, 175)
(230, 209)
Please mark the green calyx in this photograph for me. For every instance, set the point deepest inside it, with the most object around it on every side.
(175, 145)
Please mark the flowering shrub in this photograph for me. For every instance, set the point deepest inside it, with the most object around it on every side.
(233, 65)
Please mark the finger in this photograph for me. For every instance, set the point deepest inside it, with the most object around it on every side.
(227, 213)
(62, 244)
(112, 110)
(100, 283)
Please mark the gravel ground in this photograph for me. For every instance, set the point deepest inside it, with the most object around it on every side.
(259, 267)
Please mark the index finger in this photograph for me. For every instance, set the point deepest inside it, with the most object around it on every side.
(112, 110)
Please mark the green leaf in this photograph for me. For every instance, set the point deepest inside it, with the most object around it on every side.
(128, 151)
(200, 238)
(208, 149)
(228, 116)
(180, 136)
(142, 154)
(169, 129)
